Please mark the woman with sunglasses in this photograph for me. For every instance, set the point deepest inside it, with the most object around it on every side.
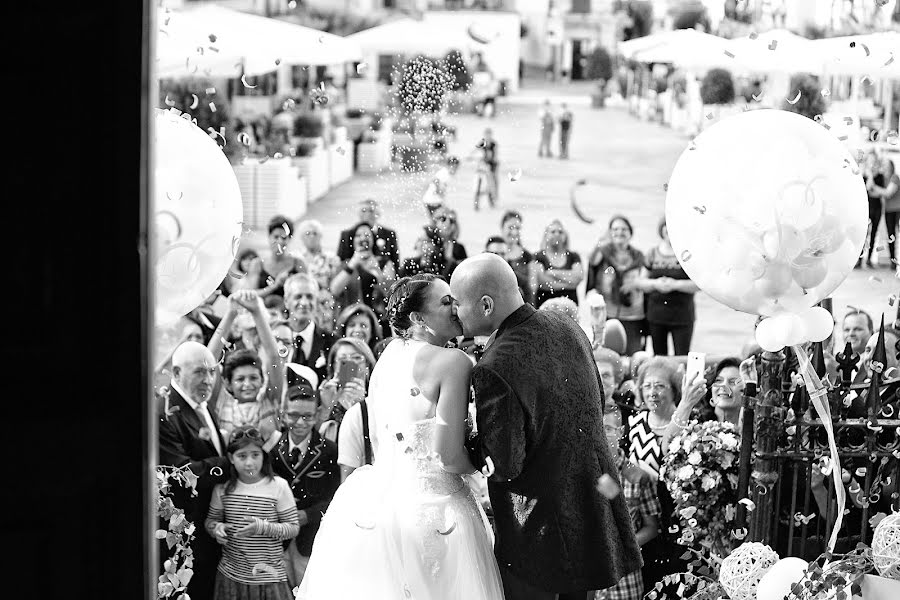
(409, 525)
(251, 515)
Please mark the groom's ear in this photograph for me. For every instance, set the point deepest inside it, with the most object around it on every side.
(487, 305)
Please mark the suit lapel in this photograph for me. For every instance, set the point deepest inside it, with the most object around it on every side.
(194, 421)
(315, 348)
(284, 453)
(316, 445)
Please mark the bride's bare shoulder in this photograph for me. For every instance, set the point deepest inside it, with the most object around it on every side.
(448, 358)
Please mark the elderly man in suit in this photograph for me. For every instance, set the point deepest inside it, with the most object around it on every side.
(309, 464)
(385, 238)
(539, 400)
(311, 342)
(189, 434)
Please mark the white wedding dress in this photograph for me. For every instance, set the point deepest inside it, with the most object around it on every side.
(403, 527)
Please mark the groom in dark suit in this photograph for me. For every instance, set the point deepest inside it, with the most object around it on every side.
(539, 404)
(189, 435)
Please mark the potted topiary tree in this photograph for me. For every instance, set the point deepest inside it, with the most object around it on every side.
(308, 127)
(716, 91)
(599, 69)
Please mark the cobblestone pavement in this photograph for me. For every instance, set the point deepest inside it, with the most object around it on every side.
(625, 162)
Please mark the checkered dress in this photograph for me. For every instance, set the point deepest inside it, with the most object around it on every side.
(640, 497)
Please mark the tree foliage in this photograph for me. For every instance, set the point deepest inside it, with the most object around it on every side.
(599, 64)
(811, 102)
(717, 87)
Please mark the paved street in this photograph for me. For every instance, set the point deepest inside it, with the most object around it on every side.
(626, 163)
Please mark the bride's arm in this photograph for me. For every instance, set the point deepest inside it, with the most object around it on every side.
(452, 410)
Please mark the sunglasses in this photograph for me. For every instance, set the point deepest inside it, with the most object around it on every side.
(250, 433)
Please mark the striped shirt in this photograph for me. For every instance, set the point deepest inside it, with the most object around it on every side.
(269, 499)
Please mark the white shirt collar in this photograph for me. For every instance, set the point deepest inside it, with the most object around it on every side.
(308, 331)
(303, 445)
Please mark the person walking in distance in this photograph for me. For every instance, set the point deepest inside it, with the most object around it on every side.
(565, 130)
(546, 117)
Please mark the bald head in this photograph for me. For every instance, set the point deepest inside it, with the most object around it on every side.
(194, 369)
(486, 292)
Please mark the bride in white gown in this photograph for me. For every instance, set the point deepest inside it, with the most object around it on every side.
(409, 526)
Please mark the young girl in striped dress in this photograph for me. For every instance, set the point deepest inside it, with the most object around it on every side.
(251, 515)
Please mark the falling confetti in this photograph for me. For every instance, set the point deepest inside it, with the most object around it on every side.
(609, 271)
(361, 68)
(244, 81)
(212, 38)
(729, 54)
(169, 102)
(340, 150)
(292, 4)
(866, 48)
(212, 106)
(665, 187)
(264, 568)
(709, 116)
(277, 61)
(753, 35)
(210, 91)
(685, 256)
(321, 39)
(796, 98)
(773, 44)
(890, 60)
(757, 97)
(848, 120)
(195, 102)
(243, 138)
(825, 93)
(700, 209)
(515, 175)
(449, 531)
(216, 471)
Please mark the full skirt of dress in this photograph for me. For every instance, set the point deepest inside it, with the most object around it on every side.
(418, 534)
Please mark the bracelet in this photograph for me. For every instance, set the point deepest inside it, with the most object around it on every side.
(682, 425)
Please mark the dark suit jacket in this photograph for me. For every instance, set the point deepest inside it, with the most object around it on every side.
(539, 412)
(180, 444)
(313, 482)
(385, 245)
(321, 346)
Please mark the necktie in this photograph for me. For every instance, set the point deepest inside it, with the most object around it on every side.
(295, 456)
(210, 424)
(300, 357)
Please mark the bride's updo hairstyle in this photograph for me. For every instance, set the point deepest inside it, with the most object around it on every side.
(407, 295)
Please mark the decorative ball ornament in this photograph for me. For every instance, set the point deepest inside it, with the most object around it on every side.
(776, 583)
(198, 215)
(742, 570)
(886, 547)
(766, 212)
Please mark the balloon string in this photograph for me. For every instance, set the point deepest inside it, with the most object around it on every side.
(817, 395)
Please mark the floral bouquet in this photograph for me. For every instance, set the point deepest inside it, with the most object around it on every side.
(701, 473)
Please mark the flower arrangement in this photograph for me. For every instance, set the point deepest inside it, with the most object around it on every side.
(178, 534)
(701, 473)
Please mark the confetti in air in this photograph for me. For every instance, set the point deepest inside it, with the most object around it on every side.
(195, 102)
(515, 175)
(244, 81)
(292, 4)
(729, 54)
(825, 93)
(773, 44)
(796, 98)
(361, 68)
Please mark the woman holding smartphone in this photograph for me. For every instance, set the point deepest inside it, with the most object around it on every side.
(365, 277)
(350, 362)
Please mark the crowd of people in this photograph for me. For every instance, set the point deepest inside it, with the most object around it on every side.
(266, 399)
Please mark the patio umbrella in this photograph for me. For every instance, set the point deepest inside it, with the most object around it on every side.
(875, 54)
(688, 48)
(408, 36)
(776, 51)
(219, 42)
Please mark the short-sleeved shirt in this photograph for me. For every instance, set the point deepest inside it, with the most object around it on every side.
(673, 308)
(270, 499)
(543, 294)
(892, 203)
(351, 446)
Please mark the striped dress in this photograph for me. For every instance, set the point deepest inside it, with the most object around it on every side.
(254, 559)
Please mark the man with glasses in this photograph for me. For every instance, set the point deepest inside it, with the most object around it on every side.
(308, 463)
(385, 238)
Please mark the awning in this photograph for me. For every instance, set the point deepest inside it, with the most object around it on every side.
(217, 42)
(876, 55)
(776, 51)
(687, 48)
(408, 36)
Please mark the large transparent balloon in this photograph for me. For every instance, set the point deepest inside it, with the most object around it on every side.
(767, 212)
(198, 215)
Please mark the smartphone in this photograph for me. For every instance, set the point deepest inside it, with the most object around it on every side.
(348, 371)
(696, 365)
